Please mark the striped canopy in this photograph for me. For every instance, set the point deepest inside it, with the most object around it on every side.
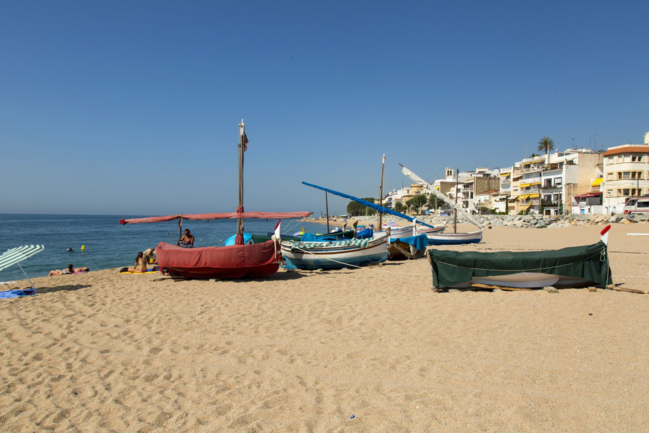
(15, 255)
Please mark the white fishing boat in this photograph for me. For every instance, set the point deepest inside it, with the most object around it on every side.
(335, 255)
(406, 232)
(454, 238)
(447, 238)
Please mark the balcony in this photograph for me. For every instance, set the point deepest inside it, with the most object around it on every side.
(547, 203)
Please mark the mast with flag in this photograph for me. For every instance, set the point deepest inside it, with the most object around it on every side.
(243, 146)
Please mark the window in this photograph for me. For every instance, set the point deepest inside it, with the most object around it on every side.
(625, 175)
(644, 204)
(633, 175)
(625, 192)
(609, 193)
(627, 158)
(558, 181)
(636, 158)
(609, 176)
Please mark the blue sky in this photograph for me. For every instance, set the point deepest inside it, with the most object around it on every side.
(132, 107)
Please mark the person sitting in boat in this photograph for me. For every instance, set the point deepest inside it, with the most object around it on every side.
(68, 270)
(140, 264)
(186, 241)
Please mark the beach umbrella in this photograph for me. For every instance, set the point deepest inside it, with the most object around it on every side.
(16, 255)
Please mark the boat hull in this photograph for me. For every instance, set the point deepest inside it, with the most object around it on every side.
(237, 261)
(337, 258)
(406, 232)
(454, 238)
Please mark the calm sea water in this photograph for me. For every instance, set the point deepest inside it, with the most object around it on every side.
(108, 244)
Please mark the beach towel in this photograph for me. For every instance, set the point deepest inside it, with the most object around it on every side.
(17, 293)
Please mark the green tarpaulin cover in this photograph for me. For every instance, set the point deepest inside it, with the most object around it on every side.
(590, 262)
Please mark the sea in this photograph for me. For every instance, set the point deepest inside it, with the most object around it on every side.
(107, 244)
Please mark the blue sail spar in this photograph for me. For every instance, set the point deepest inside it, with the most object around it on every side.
(377, 207)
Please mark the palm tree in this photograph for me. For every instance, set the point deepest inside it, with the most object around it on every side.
(546, 145)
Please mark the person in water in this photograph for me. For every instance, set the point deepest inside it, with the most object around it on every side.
(140, 263)
(186, 241)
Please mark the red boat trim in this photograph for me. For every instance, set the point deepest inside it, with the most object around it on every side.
(217, 216)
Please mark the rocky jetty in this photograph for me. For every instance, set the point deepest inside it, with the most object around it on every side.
(533, 220)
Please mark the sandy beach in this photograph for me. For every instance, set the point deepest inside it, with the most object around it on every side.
(365, 350)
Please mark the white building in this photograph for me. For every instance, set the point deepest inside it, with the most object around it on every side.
(626, 174)
(547, 183)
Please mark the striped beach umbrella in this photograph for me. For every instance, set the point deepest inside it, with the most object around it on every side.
(16, 255)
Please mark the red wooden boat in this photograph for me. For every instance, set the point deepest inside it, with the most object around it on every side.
(236, 261)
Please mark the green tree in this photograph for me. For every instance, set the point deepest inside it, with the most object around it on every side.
(398, 206)
(432, 202)
(417, 202)
(546, 145)
(357, 209)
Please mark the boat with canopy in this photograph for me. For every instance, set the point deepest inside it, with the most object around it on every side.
(236, 261)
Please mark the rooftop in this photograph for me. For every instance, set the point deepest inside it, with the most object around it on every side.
(627, 148)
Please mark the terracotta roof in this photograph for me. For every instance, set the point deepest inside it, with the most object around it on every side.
(627, 149)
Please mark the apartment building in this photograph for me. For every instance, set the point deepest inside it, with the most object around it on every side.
(546, 184)
(626, 174)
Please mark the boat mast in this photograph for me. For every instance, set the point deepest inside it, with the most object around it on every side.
(327, 209)
(381, 195)
(441, 196)
(457, 180)
(242, 144)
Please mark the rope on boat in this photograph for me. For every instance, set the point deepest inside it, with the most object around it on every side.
(360, 267)
(368, 175)
(602, 255)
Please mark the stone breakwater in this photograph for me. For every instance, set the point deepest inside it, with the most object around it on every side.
(530, 221)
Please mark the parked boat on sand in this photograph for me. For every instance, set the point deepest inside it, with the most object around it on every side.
(580, 265)
(335, 254)
(236, 261)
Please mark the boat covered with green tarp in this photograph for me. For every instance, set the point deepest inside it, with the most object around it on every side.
(572, 265)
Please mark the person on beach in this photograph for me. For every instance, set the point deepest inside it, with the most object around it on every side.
(69, 270)
(140, 263)
(186, 241)
(148, 255)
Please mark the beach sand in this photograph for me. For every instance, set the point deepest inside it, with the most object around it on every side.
(304, 351)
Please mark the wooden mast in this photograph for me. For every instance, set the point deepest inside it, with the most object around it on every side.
(457, 180)
(327, 209)
(380, 228)
(242, 149)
